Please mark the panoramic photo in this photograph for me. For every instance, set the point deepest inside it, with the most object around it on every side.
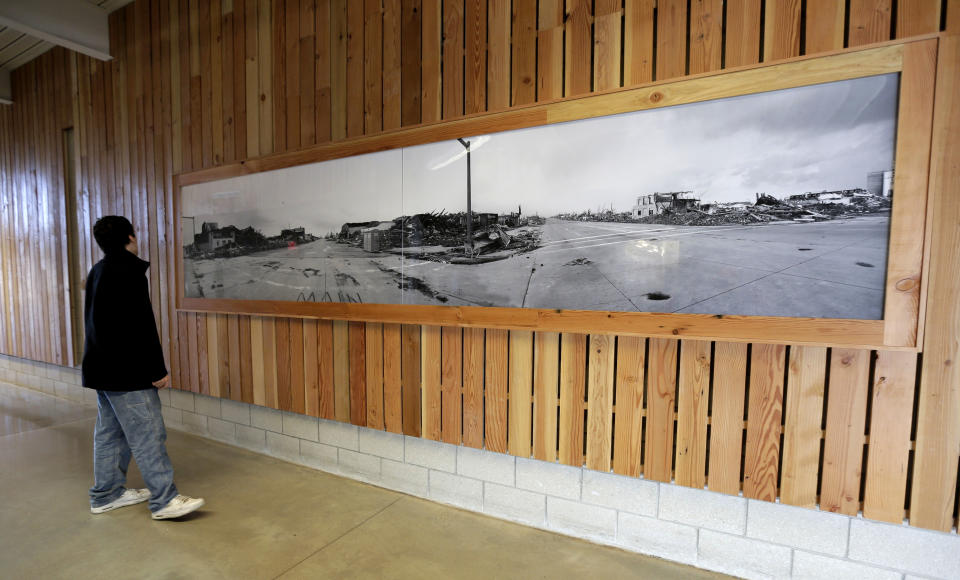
(774, 204)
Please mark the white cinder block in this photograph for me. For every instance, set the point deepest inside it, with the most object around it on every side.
(235, 411)
(361, 465)
(222, 430)
(263, 418)
(342, 435)
(194, 423)
(802, 528)
(209, 406)
(453, 489)
(65, 391)
(172, 418)
(549, 478)
(430, 454)
(381, 444)
(300, 426)
(627, 494)
(182, 400)
(251, 438)
(658, 538)
(703, 509)
(583, 520)
(52, 372)
(742, 557)
(514, 504)
(486, 465)
(283, 446)
(318, 455)
(808, 566)
(411, 479)
(924, 552)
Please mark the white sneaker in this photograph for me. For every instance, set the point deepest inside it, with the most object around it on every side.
(129, 497)
(178, 506)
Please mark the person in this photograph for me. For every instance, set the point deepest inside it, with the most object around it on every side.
(123, 362)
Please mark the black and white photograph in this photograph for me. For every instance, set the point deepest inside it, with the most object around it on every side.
(771, 204)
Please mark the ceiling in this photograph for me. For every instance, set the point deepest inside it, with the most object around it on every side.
(17, 48)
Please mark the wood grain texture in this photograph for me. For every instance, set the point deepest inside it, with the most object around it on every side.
(765, 406)
(326, 371)
(410, 63)
(706, 35)
(671, 38)
(824, 25)
(577, 42)
(311, 368)
(726, 418)
(638, 18)
(355, 65)
(661, 400)
(495, 395)
(607, 44)
(358, 372)
(916, 17)
(498, 51)
(284, 363)
(473, 383)
(341, 371)
(894, 382)
(520, 392)
(523, 76)
(431, 377)
(235, 369)
(938, 406)
(628, 423)
(475, 56)
(374, 375)
(453, 63)
(803, 416)
(869, 21)
(246, 361)
(781, 29)
(600, 377)
(431, 46)
(392, 378)
(550, 50)
(844, 437)
(257, 362)
(693, 398)
(410, 379)
(451, 384)
(373, 76)
(546, 365)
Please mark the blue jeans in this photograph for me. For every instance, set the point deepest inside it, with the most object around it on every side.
(130, 423)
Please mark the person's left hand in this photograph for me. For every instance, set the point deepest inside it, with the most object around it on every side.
(162, 383)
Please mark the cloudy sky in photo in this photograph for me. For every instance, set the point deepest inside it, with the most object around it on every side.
(814, 138)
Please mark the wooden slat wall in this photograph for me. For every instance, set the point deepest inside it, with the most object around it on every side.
(198, 83)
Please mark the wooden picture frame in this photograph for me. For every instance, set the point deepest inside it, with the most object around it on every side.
(901, 327)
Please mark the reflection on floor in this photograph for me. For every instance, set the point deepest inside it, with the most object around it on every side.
(264, 519)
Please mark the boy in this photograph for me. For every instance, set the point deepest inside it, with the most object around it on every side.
(123, 361)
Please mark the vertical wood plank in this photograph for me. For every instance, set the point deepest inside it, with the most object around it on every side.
(628, 424)
(573, 384)
(358, 379)
(392, 378)
(520, 76)
(431, 381)
(607, 47)
(578, 46)
(355, 45)
(453, 64)
(246, 361)
(451, 384)
(236, 382)
(706, 35)
(475, 57)
(431, 97)
(600, 401)
(726, 418)
(311, 367)
(279, 53)
(671, 39)
(473, 343)
(252, 76)
(372, 66)
(495, 418)
(374, 375)
(341, 371)
(869, 21)
(638, 41)
(410, 379)
(550, 29)
(213, 353)
(270, 363)
(693, 398)
(546, 386)
(763, 422)
(338, 69)
(324, 58)
(284, 362)
(192, 352)
(265, 62)
(824, 25)
(520, 391)
(891, 414)
(291, 65)
(410, 63)
(392, 65)
(223, 355)
(917, 17)
(308, 84)
(326, 372)
(803, 416)
(843, 440)
(257, 363)
(938, 401)
(743, 33)
(781, 29)
(661, 397)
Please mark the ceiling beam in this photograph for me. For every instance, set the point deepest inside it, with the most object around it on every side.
(6, 90)
(74, 24)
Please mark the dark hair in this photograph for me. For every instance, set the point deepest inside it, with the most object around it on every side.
(112, 233)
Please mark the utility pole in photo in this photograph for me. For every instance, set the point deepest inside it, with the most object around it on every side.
(468, 246)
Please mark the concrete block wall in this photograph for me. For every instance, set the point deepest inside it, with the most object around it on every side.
(748, 538)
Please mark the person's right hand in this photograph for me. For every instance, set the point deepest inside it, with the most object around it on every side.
(162, 383)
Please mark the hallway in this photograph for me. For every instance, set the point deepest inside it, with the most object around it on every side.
(264, 518)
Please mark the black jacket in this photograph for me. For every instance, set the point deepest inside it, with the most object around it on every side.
(122, 348)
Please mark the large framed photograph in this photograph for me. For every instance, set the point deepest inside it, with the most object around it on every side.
(781, 203)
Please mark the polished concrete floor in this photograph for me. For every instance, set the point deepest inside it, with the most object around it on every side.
(264, 519)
